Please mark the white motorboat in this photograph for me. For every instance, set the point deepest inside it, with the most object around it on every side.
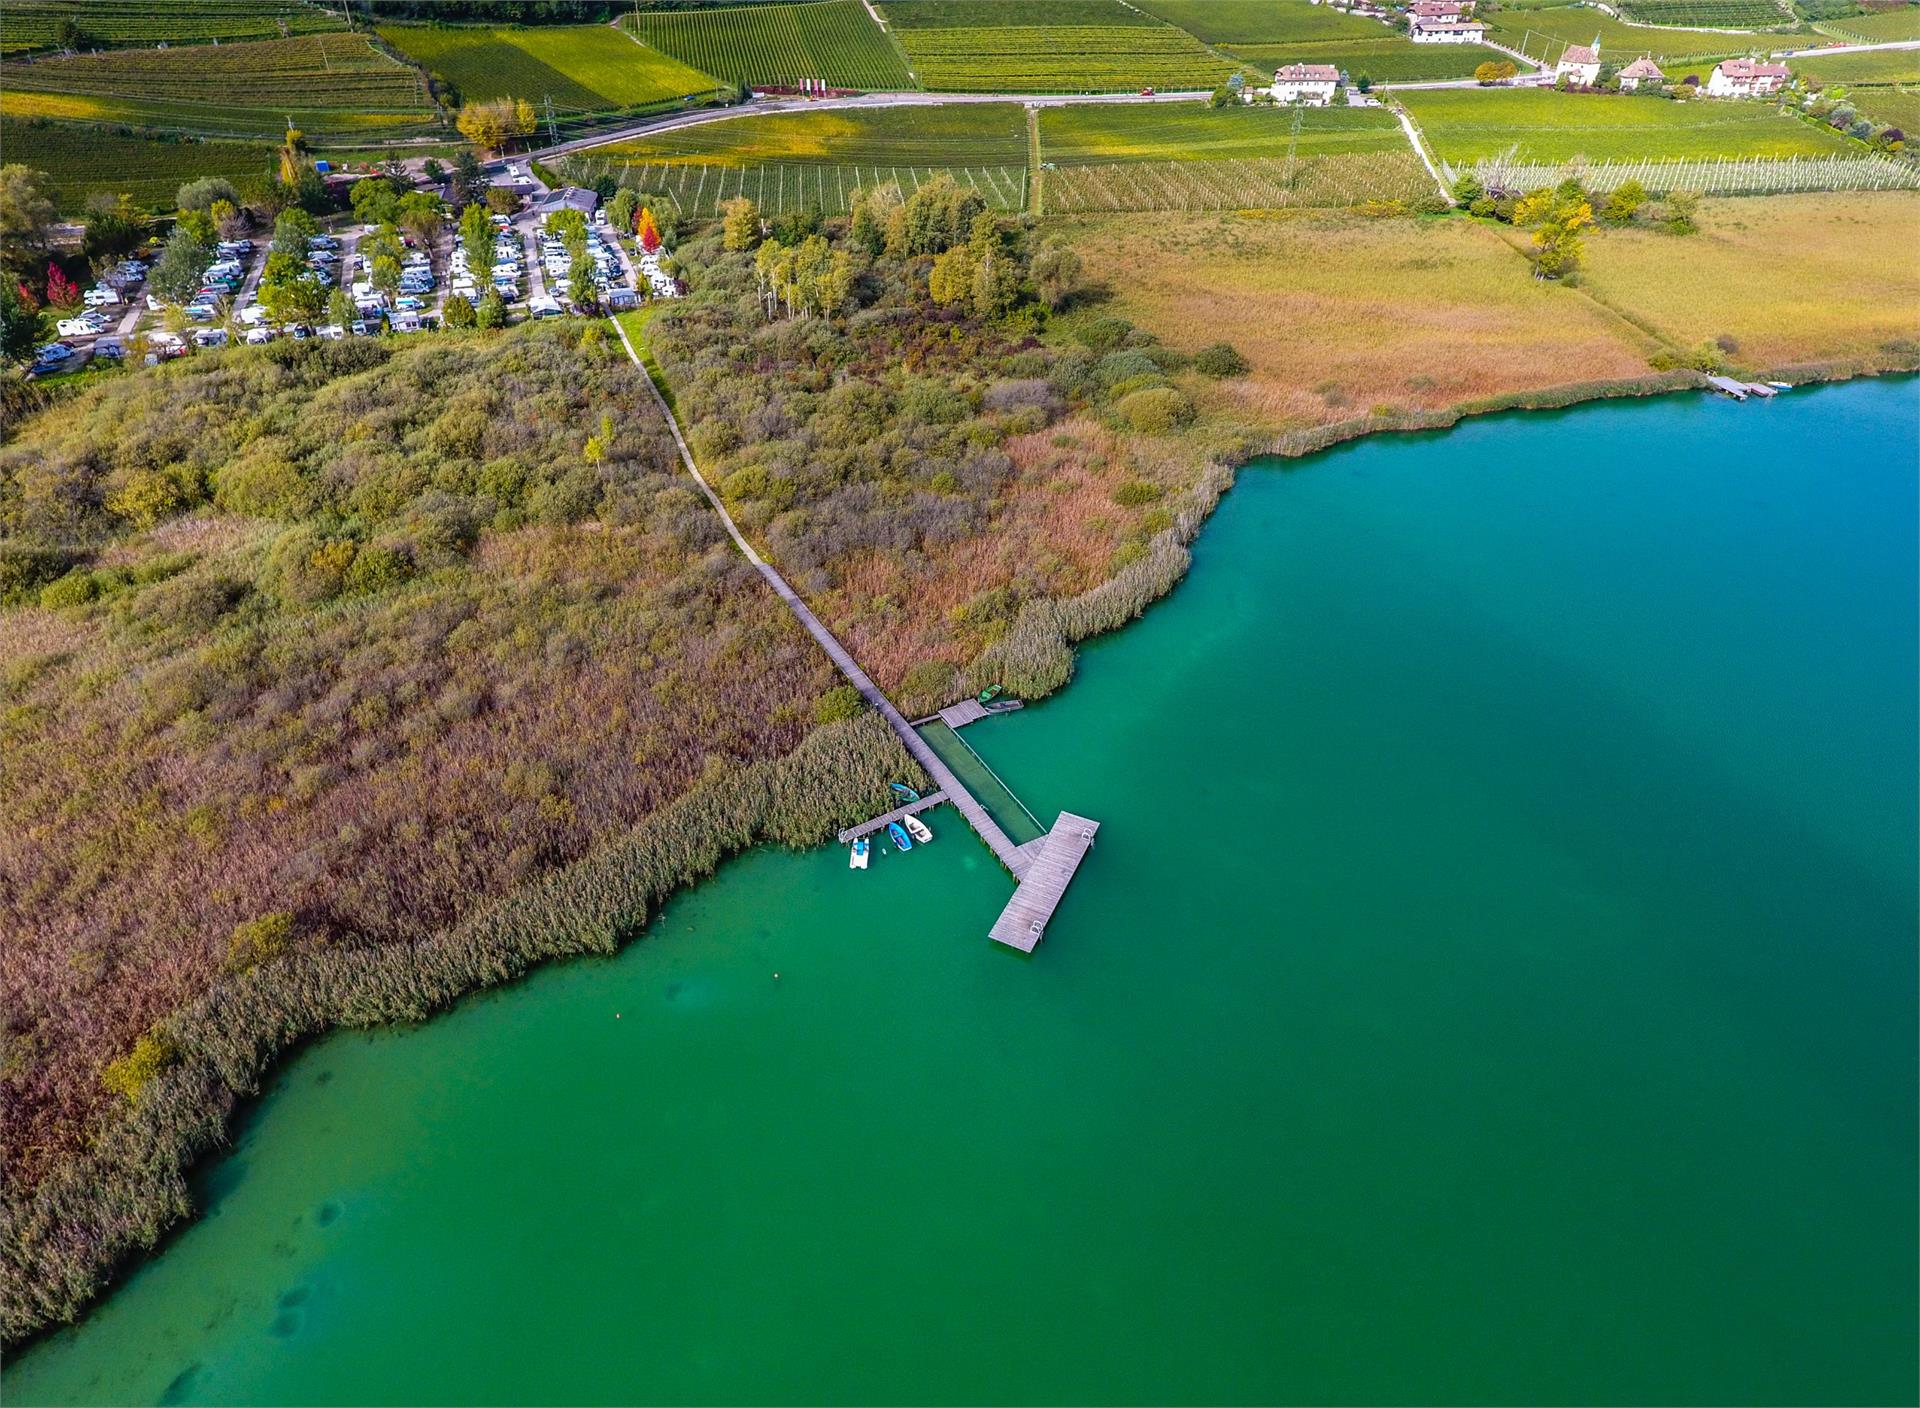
(919, 830)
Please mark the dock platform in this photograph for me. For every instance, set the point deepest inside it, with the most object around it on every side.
(881, 823)
(1050, 865)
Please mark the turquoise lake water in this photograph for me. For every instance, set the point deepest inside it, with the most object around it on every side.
(1495, 982)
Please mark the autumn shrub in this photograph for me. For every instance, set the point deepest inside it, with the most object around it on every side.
(1220, 360)
(1155, 410)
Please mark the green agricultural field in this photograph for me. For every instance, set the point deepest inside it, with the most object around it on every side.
(1892, 106)
(1253, 183)
(1873, 66)
(698, 188)
(1100, 133)
(1466, 125)
(26, 25)
(590, 68)
(834, 41)
(1387, 59)
(1071, 59)
(82, 160)
(329, 85)
(1006, 14)
(1885, 27)
(1262, 21)
(1544, 33)
(1708, 14)
(949, 135)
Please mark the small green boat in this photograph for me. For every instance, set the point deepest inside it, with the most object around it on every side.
(904, 792)
(990, 693)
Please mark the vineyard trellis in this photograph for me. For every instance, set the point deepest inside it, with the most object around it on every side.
(698, 189)
(1253, 183)
(1723, 176)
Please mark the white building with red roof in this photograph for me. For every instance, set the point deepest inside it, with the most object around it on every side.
(1579, 65)
(1310, 84)
(1641, 70)
(1425, 31)
(1440, 9)
(1746, 78)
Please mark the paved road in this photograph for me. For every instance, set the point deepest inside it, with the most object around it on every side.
(1844, 49)
(963, 801)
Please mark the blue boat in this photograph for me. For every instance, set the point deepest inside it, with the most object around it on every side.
(904, 792)
(901, 841)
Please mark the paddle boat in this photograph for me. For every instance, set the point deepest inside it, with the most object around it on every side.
(899, 836)
(904, 792)
(922, 833)
(858, 860)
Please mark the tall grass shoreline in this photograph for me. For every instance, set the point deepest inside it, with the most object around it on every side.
(83, 1226)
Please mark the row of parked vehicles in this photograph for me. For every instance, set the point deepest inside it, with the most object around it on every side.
(100, 305)
(507, 272)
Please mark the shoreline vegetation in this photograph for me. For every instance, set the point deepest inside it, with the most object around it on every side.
(1052, 474)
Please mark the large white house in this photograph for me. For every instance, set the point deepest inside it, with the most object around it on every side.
(1746, 78)
(1425, 31)
(1641, 70)
(1440, 9)
(1579, 65)
(1311, 84)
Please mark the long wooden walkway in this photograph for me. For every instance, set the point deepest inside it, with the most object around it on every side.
(963, 801)
(1051, 863)
(881, 823)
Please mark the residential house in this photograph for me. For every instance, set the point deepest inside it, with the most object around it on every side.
(1444, 10)
(566, 198)
(1310, 84)
(1746, 78)
(1579, 65)
(1424, 31)
(1641, 70)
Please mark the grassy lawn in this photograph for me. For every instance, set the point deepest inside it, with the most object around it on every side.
(1387, 58)
(327, 84)
(587, 68)
(1875, 66)
(989, 133)
(82, 160)
(1789, 278)
(832, 40)
(1262, 21)
(1162, 132)
(1544, 33)
(1465, 125)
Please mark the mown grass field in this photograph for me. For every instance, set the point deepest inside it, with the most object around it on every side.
(26, 25)
(1048, 46)
(1389, 58)
(1262, 21)
(1465, 125)
(586, 68)
(1544, 33)
(1097, 133)
(957, 134)
(328, 84)
(1789, 278)
(82, 160)
(1712, 14)
(835, 41)
(1874, 66)
(1884, 27)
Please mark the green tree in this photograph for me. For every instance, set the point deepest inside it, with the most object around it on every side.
(476, 237)
(290, 291)
(292, 230)
(1056, 273)
(19, 324)
(492, 312)
(1621, 205)
(340, 309)
(421, 215)
(739, 224)
(622, 209)
(26, 219)
(459, 312)
(176, 274)
(580, 286)
(385, 275)
(201, 194)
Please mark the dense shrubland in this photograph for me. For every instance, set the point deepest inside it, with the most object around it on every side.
(336, 679)
(884, 407)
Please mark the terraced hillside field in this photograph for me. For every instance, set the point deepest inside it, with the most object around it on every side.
(1884, 27)
(1870, 66)
(332, 86)
(1709, 14)
(1544, 33)
(1048, 46)
(1466, 125)
(83, 160)
(1389, 58)
(588, 68)
(833, 41)
(1262, 21)
(27, 25)
(1097, 133)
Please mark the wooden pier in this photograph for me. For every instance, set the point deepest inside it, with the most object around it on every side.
(1050, 864)
(881, 823)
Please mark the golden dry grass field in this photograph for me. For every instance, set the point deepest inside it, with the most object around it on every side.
(1340, 315)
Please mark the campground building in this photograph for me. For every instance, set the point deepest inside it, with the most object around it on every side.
(1308, 84)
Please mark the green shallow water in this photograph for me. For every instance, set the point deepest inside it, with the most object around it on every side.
(1495, 981)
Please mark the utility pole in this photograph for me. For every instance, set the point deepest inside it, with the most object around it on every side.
(553, 132)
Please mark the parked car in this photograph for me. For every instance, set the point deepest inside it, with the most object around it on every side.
(100, 296)
(79, 327)
(52, 355)
(258, 336)
(333, 332)
(299, 332)
(210, 337)
(110, 347)
(409, 304)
